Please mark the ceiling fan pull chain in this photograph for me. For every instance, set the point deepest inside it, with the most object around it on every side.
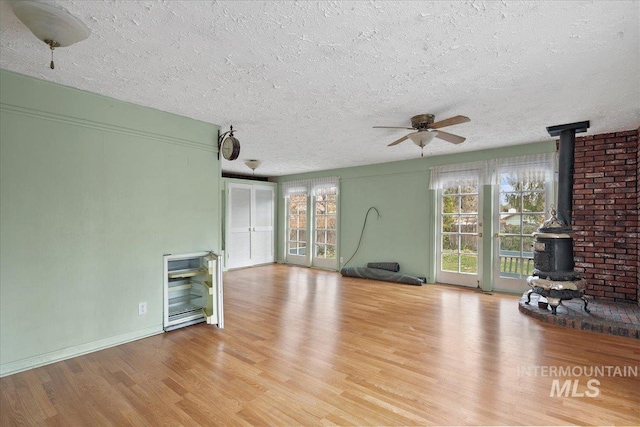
(52, 45)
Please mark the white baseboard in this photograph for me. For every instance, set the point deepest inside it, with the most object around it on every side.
(79, 350)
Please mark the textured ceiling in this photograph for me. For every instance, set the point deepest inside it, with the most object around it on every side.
(304, 82)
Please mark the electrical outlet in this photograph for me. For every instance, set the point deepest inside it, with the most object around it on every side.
(341, 260)
(142, 308)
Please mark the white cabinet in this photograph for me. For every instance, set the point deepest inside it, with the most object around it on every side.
(250, 224)
(192, 290)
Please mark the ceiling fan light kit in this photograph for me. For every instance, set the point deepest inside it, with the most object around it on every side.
(54, 26)
(422, 138)
(427, 129)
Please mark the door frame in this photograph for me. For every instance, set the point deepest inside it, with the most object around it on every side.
(458, 278)
(303, 260)
(252, 229)
(506, 283)
(230, 251)
(309, 259)
(326, 263)
(262, 230)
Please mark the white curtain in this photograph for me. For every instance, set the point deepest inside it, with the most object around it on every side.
(325, 186)
(295, 188)
(464, 174)
(533, 167)
(315, 187)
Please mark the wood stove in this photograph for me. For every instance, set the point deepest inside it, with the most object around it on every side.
(553, 274)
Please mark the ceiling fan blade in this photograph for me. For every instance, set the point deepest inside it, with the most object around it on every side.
(398, 141)
(449, 137)
(449, 122)
(391, 127)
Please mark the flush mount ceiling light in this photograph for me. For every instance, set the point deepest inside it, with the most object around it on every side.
(252, 164)
(54, 26)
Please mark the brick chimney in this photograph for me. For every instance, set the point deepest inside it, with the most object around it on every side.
(606, 201)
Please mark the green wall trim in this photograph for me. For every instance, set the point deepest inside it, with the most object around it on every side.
(34, 95)
(207, 145)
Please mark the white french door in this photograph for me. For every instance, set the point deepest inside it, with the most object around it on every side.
(459, 248)
(312, 228)
(325, 230)
(519, 211)
(522, 187)
(297, 241)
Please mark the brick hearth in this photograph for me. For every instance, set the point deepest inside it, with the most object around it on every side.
(608, 317)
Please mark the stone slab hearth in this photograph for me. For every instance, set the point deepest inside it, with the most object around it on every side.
(606, 317)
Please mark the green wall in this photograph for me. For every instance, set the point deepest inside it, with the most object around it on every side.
(405, 233)
(93, 192)
(399, 234)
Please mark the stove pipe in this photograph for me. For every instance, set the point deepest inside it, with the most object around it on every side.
(567, 135)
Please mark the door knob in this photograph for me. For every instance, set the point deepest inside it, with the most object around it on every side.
(479, 234)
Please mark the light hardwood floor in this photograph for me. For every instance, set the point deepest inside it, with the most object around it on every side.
(309, 347)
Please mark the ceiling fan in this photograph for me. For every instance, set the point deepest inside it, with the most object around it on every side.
(423, 124)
